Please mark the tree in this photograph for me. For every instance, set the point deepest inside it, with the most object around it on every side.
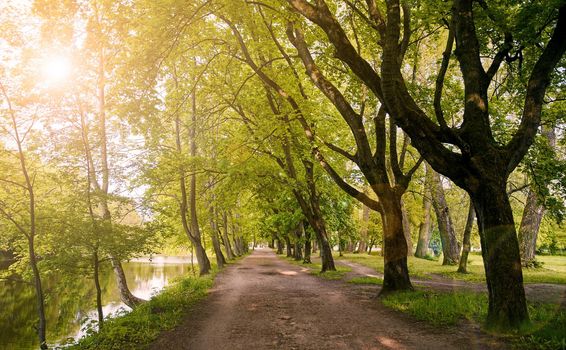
(466, 240)
(450, 248)
(425, 227)
(26, 226)
(476, 161)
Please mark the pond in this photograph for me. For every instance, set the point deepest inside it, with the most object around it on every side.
(70, 305)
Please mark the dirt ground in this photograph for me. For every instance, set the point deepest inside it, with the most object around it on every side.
(263, 302)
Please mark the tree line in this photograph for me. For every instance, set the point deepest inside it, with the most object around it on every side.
(307, 124)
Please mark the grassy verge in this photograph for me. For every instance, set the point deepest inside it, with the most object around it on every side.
(553, 270)
(546, 330)
(366, 280)
(143, 325)
(314, 269)
(139, 328)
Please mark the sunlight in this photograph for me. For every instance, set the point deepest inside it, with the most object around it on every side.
(56, 69)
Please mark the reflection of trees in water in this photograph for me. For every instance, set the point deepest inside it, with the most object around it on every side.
(71, 300)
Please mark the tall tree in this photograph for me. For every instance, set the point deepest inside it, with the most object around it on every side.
(388, 188)
(477, 161)
(450, 248)
(533, 212)
(466, 240)
(425, 227)
(26, 226)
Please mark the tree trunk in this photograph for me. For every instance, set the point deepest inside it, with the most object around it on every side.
(533, 212)
(370, 246)
(40, 299)
(314, 246)
(326, 253)
(125, 295)
(425, 227)
(298, 244)
(396, 272)
(96, 269)
(316, 221)
(236, 246)
(500, 251)
(279, 245)
(288, 246)
(528, 230)
(307, 256)
(450, 249)
(227, 245)
(202, 258)
(463, 267)
(220, 260)
(364, 229)
(340, 245)
(237, 250)
(407, 229)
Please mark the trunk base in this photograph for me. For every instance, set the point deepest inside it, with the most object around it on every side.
(396, 277)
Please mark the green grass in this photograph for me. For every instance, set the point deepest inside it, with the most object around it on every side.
(139, 328)
(314, 269)
(546, 330)
(143, 325)
(366, 280)
(553, 270)
(439, 308)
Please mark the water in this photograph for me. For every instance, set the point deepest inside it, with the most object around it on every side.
(71, 302)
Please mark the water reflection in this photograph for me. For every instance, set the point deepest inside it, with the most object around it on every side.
(71, 302)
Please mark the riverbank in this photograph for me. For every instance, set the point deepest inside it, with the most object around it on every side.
(140, 327)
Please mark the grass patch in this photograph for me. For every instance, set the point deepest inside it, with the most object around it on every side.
(332, 275)
(546, 330)
(440, 309)
(553, 270)
(366, 280)
(143, 325)
(316, 267)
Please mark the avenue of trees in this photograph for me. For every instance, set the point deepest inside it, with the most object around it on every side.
(403, 127)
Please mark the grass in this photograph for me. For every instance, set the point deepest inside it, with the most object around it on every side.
(139, 328)
(143, 325)
(553, 270)
(366, 280)
(546, 330)
(314, 269)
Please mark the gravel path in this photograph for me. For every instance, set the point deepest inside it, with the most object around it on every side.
(263, 302)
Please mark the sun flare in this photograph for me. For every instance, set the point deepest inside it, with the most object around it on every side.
(56, 69)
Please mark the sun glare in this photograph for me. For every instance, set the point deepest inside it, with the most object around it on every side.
(56, 69)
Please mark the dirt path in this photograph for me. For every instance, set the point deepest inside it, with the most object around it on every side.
(263, 302)
(535, 292)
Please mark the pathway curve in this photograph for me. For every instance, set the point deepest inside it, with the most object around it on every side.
(263, 302)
